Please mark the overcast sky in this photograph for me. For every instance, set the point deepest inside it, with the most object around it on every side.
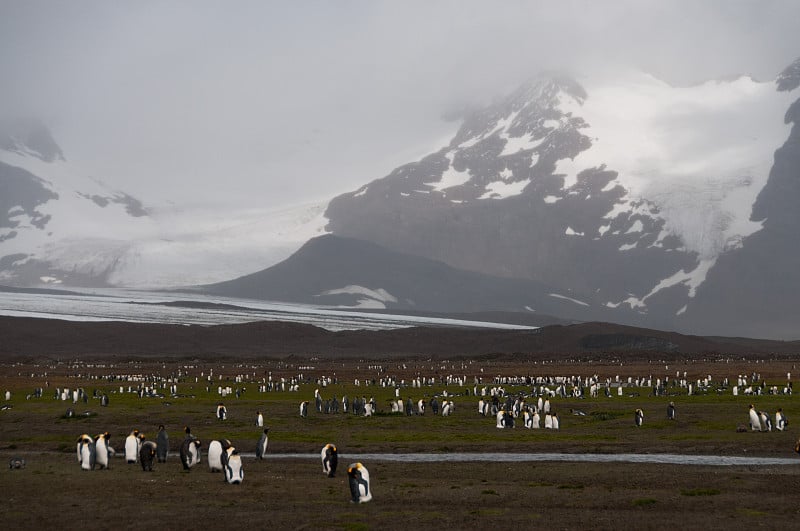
(264, 103)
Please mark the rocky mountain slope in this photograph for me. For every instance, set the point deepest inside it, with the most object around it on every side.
(624, 194)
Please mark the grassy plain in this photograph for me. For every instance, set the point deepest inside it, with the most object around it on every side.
(292, 493)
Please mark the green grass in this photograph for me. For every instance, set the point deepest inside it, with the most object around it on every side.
(644, 502)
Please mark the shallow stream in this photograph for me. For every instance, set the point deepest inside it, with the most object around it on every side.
(457, 457)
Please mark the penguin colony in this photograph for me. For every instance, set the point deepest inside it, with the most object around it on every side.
(534, 408)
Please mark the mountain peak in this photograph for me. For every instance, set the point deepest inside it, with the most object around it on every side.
(29, 136)
(523, 112)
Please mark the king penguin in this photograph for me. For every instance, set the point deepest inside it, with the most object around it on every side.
(261, 449)
(330, 459)
(638, 418)
(303, 408)
(766, 421)
(216, 450)
(259, 419)
(190, 450)
(101, 450)
(162, 444)
(499, 419)
(132, 443)
(86, 452)
(755, 423)
(146, 455)
(780, 420)
(671, 411)
(234, 474)
(360, 488)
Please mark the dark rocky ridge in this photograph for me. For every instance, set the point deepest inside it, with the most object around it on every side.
(40, 339)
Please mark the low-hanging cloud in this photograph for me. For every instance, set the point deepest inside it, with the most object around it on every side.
(267, 103)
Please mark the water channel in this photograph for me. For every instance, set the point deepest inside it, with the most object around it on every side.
(457, 457)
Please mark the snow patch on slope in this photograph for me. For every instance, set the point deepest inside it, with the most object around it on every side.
(680, 147)
(502, 189)
(370, 298)
(450, 177)
(691, 279)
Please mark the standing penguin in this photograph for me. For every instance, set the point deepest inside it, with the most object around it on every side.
(304, 408)
(434, 406)
(766, 421)
(638, 418)
(132, 443)
(259, 419)
(330, 459)
(780, 420)
(447, 408)
(190, 450)
(86, 452)
(671, 411)
(360, 488)
(162, 444)
(101, 450)
(222, 412)
(499, 419)
(146, 455)
(215, 453)
(755, 423)
(234, 474)
(261, 449)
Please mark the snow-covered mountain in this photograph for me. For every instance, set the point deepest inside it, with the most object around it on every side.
(618, 198)
(623, 192)
(59, 225)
